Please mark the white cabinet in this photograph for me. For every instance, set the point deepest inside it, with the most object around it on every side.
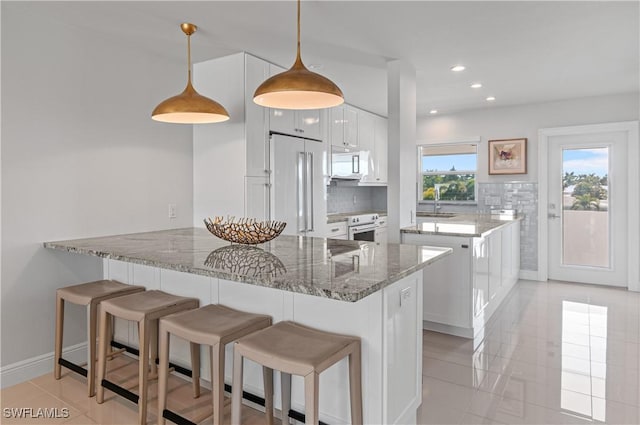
(337, 230)
(381, 231)
(344, 126)
(380, 143)
(302, 123)
(366, 146)
(463, 290)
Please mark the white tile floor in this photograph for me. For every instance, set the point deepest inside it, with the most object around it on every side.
(555, 353)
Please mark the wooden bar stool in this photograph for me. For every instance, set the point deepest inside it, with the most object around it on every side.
(89, 294)
(212, 325)
(146, 308)
(295, 349)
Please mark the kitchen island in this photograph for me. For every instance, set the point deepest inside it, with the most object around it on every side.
(468, 286)
(369, 290)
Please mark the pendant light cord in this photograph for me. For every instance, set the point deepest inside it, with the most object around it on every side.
(189, 58)
(298, 57)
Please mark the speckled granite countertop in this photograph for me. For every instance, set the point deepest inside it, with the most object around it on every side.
(342, 270)
(336, 218)
(465, 225)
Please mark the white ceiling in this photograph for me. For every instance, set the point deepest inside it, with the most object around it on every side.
(522, 52)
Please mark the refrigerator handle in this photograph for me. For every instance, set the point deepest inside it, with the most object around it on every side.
(309, 195)
(302, 192)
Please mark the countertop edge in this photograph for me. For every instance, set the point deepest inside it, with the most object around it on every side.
(350, 297)
(502, 223)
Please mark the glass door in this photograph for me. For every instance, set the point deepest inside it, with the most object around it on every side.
(587, 206)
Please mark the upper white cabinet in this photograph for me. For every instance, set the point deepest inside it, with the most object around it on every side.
(366, 146)
(344, 126)
(302, 123)
(380, 150)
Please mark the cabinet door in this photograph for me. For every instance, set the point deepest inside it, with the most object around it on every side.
(480, 276)
(257, 125)
(350, 126)
(380, 150)
(381, 235)
(257, 198)
(366, 146)
(507, 260)
(309, 124)
(495, 264)
(336, 126)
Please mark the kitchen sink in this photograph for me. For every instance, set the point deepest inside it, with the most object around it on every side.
(440, 215)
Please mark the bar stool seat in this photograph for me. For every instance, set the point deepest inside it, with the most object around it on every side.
(89, 294)
(213, 325)
(295, 349)
(146, 308)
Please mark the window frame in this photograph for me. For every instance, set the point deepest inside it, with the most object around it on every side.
(420, 177)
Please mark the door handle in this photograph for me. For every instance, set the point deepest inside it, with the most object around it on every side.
(309, 195)
(553, 215)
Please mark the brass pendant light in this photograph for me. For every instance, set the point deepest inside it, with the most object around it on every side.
(298, 88)
(189, 107)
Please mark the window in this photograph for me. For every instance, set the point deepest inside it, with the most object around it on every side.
(451, 169)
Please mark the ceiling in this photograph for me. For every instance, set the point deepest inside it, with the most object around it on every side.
(522, 52)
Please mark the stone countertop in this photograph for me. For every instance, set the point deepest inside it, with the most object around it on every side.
(338, 217)
(464, 225)
(337, 269)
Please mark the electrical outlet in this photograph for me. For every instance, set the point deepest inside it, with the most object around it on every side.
(173, 213)
(354, 199)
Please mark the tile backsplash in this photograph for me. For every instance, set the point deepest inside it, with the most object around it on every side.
(522, 197)
(347, 199)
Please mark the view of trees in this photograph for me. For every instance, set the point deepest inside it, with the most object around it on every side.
(588, 190)
(459, 187)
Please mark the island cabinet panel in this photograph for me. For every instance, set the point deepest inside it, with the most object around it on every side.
(447, 293)
(463, 290)
(388, 322)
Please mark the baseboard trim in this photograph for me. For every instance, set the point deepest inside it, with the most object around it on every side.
(25, 370)
(529, 275)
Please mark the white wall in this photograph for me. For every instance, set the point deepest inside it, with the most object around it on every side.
(80, 157)
(524, 121)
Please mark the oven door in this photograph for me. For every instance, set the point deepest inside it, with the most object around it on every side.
(363, 233)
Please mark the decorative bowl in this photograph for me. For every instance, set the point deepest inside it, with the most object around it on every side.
(247, 231)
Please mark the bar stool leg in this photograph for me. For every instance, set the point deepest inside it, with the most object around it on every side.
(285, 387)
(311, 399)
(267, 376)
(217, 382)
(91, 342)
(102, 354)
(236, 391)
(163, 374)
(143, 369)
(57, 369)
(355, 386)
(195, 368)
(153, 338)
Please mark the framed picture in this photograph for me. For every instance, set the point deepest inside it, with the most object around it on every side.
(508, 156)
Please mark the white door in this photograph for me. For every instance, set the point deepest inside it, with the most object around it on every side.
(588, 208)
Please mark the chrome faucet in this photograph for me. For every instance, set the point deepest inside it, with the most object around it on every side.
(436, 202)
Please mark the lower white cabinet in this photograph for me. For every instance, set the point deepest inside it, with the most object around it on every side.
(337, 230)
(463, 290)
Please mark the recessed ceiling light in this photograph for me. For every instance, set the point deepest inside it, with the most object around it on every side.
(491, 99)
(433, 111)
(476, 85)
(458, 68)
(315, 66)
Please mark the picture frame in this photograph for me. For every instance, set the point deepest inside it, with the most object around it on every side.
(508, 156)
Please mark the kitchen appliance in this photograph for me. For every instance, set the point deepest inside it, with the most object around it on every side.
(362, 227)
(345, 164)
(297, 184)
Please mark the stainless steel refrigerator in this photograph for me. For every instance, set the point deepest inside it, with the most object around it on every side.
(298, 185)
